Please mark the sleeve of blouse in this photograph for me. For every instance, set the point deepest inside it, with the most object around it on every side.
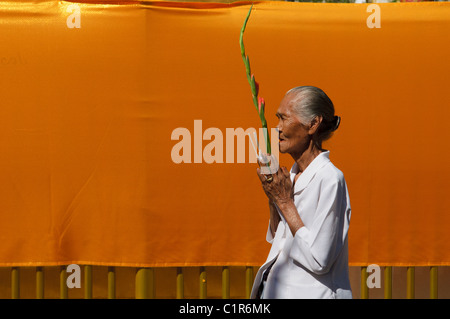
(318, 246)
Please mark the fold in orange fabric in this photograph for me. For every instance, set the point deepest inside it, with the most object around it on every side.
(122, 128)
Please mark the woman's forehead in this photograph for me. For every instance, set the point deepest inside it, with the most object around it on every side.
(286, 105)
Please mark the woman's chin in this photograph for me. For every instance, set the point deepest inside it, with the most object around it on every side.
(282, 150)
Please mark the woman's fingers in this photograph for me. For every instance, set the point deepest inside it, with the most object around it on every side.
(285, 172)
(281, 174)
(261, 176)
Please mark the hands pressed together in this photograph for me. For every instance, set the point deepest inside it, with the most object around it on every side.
(278, 189)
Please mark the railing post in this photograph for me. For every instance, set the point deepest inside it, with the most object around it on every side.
(203, 285)
(111, 283)
(180, 283)
(144, 283)
(87, 282)
(39, 283)
(364, 288)
(388, 282)
(15, 283)
(248, 281)
(225, 282)
(410, 282)
(433, 282)
(63, 290)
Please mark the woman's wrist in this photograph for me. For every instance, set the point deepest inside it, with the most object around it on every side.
(280, 202)
(290, 213)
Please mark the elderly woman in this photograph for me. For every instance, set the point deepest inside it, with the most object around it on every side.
(309, 206)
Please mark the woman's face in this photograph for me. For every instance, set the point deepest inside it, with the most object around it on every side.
(293, 136)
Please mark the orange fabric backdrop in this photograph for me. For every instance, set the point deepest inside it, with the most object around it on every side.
(86, 117)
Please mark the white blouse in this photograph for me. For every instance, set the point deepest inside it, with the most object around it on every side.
(314, 262)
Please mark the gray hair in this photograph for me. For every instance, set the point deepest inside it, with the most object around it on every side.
(310, 102)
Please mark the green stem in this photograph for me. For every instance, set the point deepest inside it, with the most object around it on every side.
(252, 84)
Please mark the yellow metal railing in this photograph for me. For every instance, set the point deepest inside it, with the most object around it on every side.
(145, 282)
(433, 282)
(410, 282)
(388, 282)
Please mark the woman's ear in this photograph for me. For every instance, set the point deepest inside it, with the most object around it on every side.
(314, 125)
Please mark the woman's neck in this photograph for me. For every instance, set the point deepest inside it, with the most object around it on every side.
(306, 157)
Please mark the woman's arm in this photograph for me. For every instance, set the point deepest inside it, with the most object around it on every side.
(279, 192)
(274, 218)
(290, 213)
